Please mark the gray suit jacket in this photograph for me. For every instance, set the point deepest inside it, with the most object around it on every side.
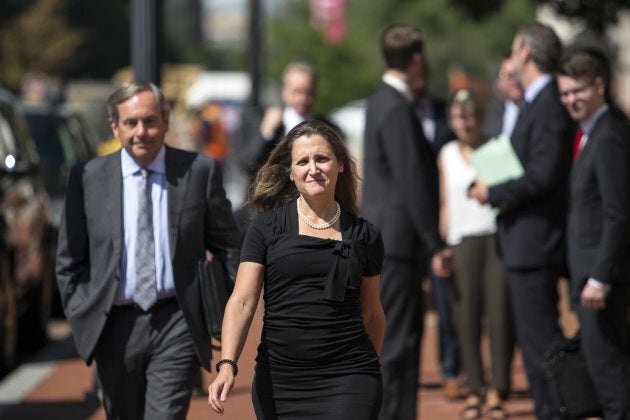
(91, 241)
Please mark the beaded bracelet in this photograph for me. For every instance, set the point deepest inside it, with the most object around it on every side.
(229, 362)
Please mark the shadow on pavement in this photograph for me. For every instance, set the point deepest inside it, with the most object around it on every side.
(50, 410)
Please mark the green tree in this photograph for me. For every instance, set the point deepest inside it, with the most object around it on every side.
(596, 14)
(46, 43)
(352, 68)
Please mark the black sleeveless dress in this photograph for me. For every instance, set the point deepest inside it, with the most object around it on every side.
(315, 360)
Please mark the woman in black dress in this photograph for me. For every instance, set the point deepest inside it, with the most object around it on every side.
(319, 264)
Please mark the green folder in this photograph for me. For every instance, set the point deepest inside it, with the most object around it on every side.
(495, 161)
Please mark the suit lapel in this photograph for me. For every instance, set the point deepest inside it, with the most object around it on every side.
(177, 175)
(111, 183)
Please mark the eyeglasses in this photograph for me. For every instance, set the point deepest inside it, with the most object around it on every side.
(577, 91)
(506, 75)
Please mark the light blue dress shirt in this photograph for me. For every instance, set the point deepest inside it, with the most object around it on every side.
(131, 183)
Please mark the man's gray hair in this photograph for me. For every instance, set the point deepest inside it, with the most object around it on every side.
(130, 89)
(544, 44)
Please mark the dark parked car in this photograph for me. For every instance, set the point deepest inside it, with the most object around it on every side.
(26, 258)
(62, 138)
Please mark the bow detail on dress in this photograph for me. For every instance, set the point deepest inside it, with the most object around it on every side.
(344, 271)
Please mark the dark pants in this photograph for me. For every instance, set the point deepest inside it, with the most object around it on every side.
(146, 363)
(534, 299)
(605, 345)
(401, 296)
(448, 349)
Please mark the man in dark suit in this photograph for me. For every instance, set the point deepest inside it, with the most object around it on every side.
(259, 135)
(531, 223)
(599, 226)
(431, 112)
(136, 224)
(506, 102)
(400, 196)
(299, 91)
(434, 125)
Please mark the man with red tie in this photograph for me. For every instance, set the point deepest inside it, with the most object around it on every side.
(599, 226)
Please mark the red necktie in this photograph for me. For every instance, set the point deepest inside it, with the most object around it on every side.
(576, 146)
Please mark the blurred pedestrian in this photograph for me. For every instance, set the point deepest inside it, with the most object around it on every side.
(532, 208)
(503, 112)
(261, 135)
(432, 114)
(599, 226)
(400, 196)
(319, 264)
(298, 94)
(479, 288)
(136, 224)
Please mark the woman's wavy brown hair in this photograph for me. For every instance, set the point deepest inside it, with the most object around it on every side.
(272, 186)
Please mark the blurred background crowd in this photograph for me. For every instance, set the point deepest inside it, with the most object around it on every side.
(221, 62)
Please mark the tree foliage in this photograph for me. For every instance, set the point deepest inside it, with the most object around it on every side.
(351, 69)
(596, 14)
(79, 38)
(47, 44)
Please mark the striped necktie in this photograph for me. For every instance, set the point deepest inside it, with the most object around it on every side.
(145, 293)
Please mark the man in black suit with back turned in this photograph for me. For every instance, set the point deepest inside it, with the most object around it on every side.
(400, 196)
(531, 222)
(434, 124)
(599, 226)
(136, 223)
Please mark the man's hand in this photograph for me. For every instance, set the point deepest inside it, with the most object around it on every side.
(479, 191)
(442, 262)
(593, 298)
(270, 122)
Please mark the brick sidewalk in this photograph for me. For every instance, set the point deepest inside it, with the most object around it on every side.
(62, 394)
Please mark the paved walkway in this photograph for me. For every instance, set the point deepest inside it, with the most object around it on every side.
(55, 384)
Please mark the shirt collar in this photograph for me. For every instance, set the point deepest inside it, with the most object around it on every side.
(399, 85)
(535, 87)
(291, 118)
(588, 125)
(425, 106)
(130, 166)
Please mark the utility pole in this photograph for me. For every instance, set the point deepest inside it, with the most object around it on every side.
(253, 52)
(146, 37)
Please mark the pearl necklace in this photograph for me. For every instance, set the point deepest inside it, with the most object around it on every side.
(320, 226)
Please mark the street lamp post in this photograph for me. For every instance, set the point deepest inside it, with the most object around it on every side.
(253, 52)
(146, 34)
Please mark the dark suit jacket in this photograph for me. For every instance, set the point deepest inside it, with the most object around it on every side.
(400, 187)
(254, 148)
(599, 217)
(443, 132)
(531, 223)
(91, 241)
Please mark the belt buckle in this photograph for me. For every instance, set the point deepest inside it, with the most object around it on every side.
(138, 309)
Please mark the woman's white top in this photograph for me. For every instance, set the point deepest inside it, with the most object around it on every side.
(466, 217)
